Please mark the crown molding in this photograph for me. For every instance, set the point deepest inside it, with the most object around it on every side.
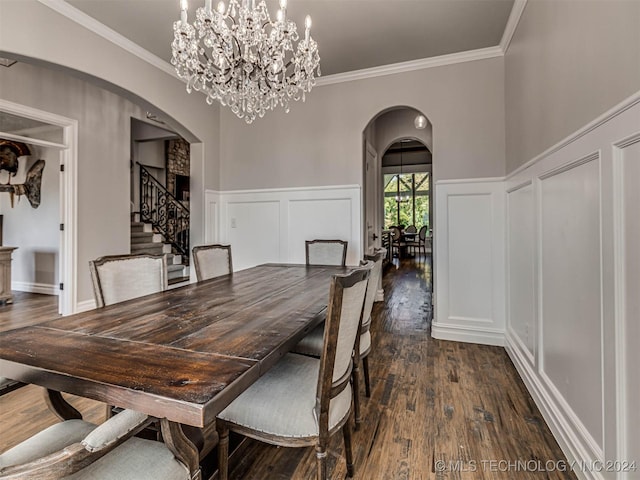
(512, 24)
(412, 65)
(90, 23)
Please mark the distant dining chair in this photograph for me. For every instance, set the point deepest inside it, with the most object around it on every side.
(312, 343)
(326, 252)
(212, 261)
(396, 240)
(424, 241)
(410, 238)
(117, 278)
(78, 450)
(302, 401)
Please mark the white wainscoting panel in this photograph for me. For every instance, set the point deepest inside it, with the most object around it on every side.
(521, 275)
(253, 230)
(272, 225)
(583, 195)
(571, 293)
(470, 280)
(212, 215)
(627, 208)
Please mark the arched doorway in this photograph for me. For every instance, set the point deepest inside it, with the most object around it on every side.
(384, 140)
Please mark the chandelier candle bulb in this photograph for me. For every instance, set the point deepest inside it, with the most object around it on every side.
(307, 24)
(184, 6)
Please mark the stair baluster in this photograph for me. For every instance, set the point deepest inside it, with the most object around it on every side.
(164, 212)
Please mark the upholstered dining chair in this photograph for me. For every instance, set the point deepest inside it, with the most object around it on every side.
(423, 240)
(212, 261)
(326, 252)
(117, 278)
(312, 343)
(79, 450)
(302, 401)
(396, 240)
(411, 240)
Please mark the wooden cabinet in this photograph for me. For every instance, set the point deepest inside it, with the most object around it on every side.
(5, 274)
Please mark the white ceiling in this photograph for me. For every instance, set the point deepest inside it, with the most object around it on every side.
(351, 34)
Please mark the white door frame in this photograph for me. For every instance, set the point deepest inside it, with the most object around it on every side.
(68, 297)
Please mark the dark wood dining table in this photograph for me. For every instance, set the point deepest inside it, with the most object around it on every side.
(181, 355)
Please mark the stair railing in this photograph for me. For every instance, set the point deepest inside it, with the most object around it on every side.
(164, 212)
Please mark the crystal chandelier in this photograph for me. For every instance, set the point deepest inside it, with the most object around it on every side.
(238, 56)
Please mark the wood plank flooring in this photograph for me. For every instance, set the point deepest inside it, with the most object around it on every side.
(438, 410)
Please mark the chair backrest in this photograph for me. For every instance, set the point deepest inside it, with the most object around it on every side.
(422, 234)
(341, 335)
(395, 233)
(117, 278)
(372, 286)
(212, 261)
(411, 229)
(326, 252)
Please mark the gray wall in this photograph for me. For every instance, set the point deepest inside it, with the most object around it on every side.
(568, 62)
(320, 142)
(35, 231)
(103, 155)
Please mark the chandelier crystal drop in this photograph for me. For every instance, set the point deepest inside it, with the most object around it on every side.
(238, 56)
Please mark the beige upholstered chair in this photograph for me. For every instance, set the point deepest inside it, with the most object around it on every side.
(326, 252)
(79, 450)
(212, 261)
(302, 401)
(117, 278)
(313, 342)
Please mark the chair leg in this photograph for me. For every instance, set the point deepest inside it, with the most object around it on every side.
(367, 381)
(321, 462)
(223, 452)
(348, 452)
(355, 376)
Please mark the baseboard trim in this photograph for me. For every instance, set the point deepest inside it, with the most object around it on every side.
(85, 306)
(42, 288)
(574, 448)
(458, 333)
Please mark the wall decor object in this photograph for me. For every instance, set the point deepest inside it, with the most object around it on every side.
(10, 153)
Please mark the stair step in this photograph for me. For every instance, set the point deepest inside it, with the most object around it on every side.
(173, 259)
(141, 227)
(145, 237)
(152, 248)
(175, 271)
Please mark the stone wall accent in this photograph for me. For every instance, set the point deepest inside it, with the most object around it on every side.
(178, 153)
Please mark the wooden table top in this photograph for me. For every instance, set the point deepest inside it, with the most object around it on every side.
(183, 354)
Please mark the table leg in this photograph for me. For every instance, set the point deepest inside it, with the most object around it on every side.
(182, 448)
(60, 407)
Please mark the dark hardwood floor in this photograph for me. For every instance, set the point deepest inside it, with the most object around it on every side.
(438, 409)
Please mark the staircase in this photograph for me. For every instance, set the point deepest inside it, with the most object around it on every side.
(145, 240)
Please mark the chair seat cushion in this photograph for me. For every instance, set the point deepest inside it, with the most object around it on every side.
(282, 402)
(46, 442)
(312, 343)
(135, 459)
